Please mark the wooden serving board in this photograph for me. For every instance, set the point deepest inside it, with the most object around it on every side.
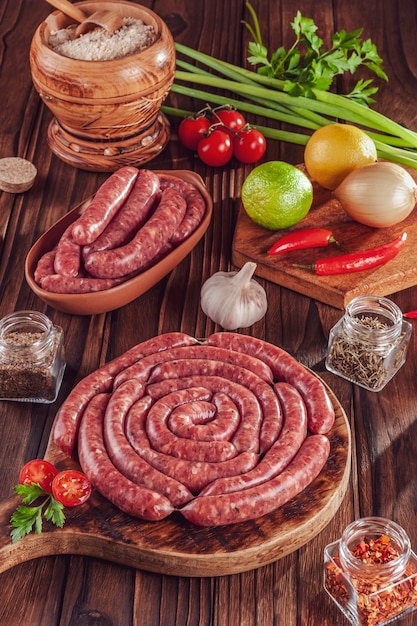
(251, 243)
(176, 547)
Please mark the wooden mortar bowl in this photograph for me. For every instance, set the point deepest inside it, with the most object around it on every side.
(107, 113)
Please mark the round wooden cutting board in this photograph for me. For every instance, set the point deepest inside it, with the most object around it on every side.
(176, 547)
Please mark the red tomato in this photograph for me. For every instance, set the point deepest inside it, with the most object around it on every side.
(71, 487)
(191, 130)
(249, 145)
(216, 149)
(40, 472)
(233, 120)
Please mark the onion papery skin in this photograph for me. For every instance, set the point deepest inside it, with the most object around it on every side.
(379, 195)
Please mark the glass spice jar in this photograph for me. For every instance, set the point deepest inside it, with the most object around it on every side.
(32, 359)
(368, 345)
(371, 572)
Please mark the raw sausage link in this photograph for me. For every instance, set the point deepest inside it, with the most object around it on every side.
(105, 204)
(123, 493)
(84, 283)
(191, 420)
(256, 501)
(123, 456)
(68, 255)
(320, 409)
(293, 433)
(131, 216)
(165, 441)
(206, 421)
(45, 266)
(195, 475)
(144, 367)
(247, 437)
(101, 380)
(145, 245)
(249, 407)
(57, 283)
(196, 206)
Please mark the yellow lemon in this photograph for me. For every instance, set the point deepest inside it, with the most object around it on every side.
(335, 150)
(277, 195)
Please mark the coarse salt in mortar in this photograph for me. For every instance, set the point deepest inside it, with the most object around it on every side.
(98, 45)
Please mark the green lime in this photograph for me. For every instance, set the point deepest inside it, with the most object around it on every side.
(277, 195)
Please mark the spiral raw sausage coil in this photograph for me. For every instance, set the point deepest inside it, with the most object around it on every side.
(200, 428)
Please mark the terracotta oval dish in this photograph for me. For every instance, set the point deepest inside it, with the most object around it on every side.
(116, 297)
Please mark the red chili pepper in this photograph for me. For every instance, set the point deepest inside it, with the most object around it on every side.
(301, 239)
(411, 314)
(358, 261)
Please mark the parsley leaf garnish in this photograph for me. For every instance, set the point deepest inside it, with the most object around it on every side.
(30, 518)
(308, 65)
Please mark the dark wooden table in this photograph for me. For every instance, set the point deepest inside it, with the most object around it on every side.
(75, 590)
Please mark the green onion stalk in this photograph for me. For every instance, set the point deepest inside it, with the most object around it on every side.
(263, 96)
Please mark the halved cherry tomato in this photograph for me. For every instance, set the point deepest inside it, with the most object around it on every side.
(232, 119)
(249, 145)
(192, 129)
(71, 487)
(40, 472)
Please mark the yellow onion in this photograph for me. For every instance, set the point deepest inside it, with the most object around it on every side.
(380, 194)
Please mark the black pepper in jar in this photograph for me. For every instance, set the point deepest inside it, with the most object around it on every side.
(32, 360)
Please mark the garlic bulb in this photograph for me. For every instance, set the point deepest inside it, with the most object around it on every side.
(381, 194)
(233, 299)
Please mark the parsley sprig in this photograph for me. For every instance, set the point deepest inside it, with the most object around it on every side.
(308, 65)
(27, 518)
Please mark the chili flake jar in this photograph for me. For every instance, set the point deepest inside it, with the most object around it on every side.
(32, 360)
(369, 344)
(371, 572)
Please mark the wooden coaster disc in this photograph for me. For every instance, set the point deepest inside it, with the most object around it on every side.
(16, 174)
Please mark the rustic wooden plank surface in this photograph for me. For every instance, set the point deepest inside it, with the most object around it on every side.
(76, 591)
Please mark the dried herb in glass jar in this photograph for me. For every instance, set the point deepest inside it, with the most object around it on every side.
(369, 344)
(32, 358)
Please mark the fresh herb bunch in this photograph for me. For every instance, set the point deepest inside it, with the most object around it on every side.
(267, 97)
(28, 518)
(307, 65)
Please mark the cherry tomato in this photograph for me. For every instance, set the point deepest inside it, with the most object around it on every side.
(191, 130)
(249, 145)
(40, 472)
(215, 149)
(233, 120)
(71, 487)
